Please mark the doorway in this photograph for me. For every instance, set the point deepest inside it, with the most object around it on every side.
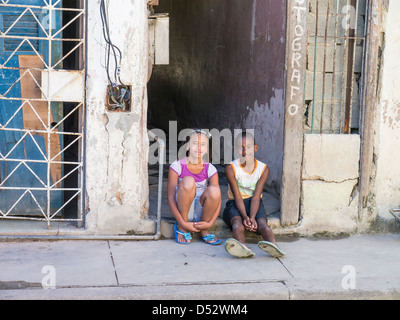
(226, 71)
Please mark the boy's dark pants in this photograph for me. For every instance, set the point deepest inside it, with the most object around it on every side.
(231, 211)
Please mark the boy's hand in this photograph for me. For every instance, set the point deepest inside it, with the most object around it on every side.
(247, 223)
(253, 225)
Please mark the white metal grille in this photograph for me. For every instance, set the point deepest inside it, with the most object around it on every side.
(42, 109)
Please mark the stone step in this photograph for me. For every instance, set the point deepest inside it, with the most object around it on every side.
(220, 229)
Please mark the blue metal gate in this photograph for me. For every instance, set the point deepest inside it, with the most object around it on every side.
(32, 135)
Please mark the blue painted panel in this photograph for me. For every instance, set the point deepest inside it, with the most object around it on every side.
(11, 141)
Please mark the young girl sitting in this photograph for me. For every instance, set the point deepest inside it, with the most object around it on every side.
(194, 196)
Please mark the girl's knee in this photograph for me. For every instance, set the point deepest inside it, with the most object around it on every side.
(214, 193)
(188, 184)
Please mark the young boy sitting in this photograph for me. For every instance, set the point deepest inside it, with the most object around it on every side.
(245, 210)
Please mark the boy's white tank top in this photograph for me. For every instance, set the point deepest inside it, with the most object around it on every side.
(247, 182)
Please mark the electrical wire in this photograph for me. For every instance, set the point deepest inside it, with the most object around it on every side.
(110, 47)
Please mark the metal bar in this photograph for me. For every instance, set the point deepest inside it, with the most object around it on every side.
(160, 180)
(353, 68)
(67, 175)
(69, 23)
(363, 61)
(24, 99)
(3, 4)
(39, 189)
(315, 65)
(350, 74)
(27, 218)
(42, 131)
(41, 161)
(324, 67)
(66, 148)
(342, 105)
(69, 53)
(49, 111)
(82, 120)
(64, 205)
(334, 67)
(33, 172)
(67, 116)
(12, 172)
(41, 38)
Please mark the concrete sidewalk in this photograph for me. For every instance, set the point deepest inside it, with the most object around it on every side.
(312, 269)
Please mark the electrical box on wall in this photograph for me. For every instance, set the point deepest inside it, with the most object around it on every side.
(159, 38)
(119, 98)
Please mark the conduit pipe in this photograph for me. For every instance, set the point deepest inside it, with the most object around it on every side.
(395, 213)
(156, 236)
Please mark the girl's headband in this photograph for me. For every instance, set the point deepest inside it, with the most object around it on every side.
(206, 133)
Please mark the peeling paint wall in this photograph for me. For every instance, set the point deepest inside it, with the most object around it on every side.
(387, 183)
(117, 143)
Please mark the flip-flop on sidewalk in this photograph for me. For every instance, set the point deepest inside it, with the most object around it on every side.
(236, 249)
(187, 236)
(211, 240)
(271, 248)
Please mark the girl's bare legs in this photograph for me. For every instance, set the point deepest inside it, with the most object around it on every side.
(210, 200)
(185, 195)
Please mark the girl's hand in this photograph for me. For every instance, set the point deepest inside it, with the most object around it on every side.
(202, 225)
(191, 226)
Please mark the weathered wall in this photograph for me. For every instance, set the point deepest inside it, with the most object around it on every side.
(387, 183)
(226, 71)
(330, 181)
(116, 157)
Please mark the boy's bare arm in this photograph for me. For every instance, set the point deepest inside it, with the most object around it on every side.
(255, 202)
(230, 175)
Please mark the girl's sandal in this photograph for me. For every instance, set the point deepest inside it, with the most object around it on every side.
(210, 239)
(187, 236)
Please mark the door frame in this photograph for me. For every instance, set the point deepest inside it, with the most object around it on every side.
(296, 46)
